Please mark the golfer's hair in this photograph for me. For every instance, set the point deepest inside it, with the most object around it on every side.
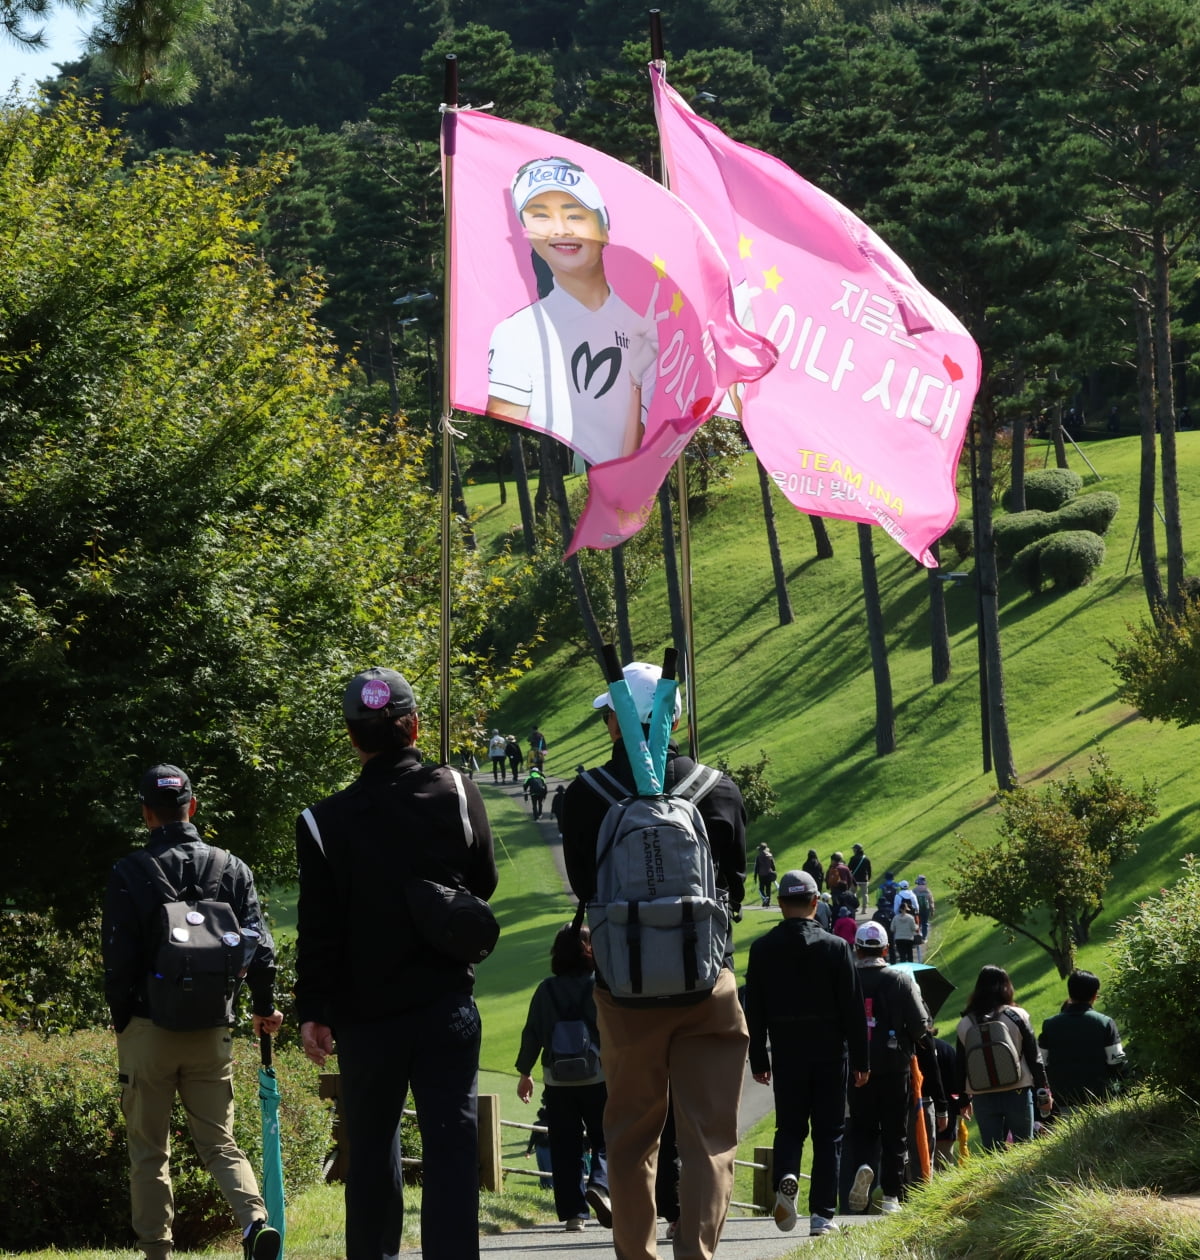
(567, 955)
(169, 813)
(1082, 986)
(993, 989)
(383, 734)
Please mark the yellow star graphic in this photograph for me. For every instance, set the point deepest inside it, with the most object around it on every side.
(677, 303)
(745, 246)
(660, 267)
(772, 279)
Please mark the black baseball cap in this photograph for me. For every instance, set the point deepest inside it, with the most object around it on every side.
(164, 787)
(378, 693)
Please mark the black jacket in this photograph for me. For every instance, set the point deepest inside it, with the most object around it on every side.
(358, 956)
(557, 997)
(129, 937)
(724, 820)
(802, 992)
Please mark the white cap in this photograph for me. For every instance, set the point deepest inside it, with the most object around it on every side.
(642, 680)
(871, 935)
(555, 174)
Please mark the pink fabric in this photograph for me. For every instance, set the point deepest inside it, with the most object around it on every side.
(681, 341)
(865, 415)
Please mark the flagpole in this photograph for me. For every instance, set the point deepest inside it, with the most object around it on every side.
(449, 105)
(685, 534)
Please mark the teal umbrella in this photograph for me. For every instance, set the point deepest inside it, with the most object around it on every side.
(272, 1152)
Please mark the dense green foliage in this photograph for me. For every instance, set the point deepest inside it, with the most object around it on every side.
(1017, 530)
(1054, 859)
(196, 547)
(1159, 667)
(1094, 512)
(64, 1179)
(51, 980)
(1047, 489)
(1067, 560)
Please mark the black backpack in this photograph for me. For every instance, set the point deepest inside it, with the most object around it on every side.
(572, 1055)
(198, 950)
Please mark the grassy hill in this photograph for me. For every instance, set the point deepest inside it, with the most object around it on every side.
(804, 694)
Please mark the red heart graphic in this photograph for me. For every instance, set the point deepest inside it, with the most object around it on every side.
(702, 406)
(955, 372)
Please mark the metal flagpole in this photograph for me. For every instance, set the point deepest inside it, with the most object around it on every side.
(449, 105)
(685, 533)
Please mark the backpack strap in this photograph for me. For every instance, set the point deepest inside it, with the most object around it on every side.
(147, 881)
(697, 784)
(606, 785)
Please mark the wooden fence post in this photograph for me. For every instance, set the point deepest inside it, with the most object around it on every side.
(763, 1177)
(490, 1176)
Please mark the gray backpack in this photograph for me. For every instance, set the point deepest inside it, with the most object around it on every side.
(659, 922)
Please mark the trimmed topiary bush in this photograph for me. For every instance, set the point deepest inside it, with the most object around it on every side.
(1047, 489)
(1066, 560)
(1092, 512)
(1017, 531)
(961, 538)
(64, 1179)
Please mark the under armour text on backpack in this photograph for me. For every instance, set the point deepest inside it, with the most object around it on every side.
(993, 1052)
(659, 922)
(198, 956)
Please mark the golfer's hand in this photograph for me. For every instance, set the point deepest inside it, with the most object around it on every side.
(860, 1079)
(763, 1078)
(317, 1040)
(268, 1024)
(525, 1088)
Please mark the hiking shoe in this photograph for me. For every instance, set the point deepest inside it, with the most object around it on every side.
(818, 1225)
(574, 1224)
(601, 1204)
(785, 1201)
(860, 1191)
(261, 1242)
(889, 1204)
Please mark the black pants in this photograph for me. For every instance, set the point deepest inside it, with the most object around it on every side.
(879, 1121)
(435, 1050)
(575, 1118)
(810, 1093)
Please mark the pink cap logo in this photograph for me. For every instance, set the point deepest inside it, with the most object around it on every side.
(375, 694)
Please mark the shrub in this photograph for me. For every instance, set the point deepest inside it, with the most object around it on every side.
(64, 1181)
(960, 537)
(1017, 531)
(1067, 560)
(1047, 489)
(50, 980)
(759, 797)
(1155, 989)
(1093, 512)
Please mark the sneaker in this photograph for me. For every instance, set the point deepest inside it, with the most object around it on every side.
(261, 1242)
(785, 1201)
(600, 1203)
(889, 1204)
(574, 1224)
(860, 1191)
(672, 1230)
(818, 1225)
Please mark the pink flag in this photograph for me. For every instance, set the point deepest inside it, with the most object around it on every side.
(865, 415)
(588, 303)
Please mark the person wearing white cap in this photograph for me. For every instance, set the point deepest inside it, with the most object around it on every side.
(579, 362)
(691, 1056)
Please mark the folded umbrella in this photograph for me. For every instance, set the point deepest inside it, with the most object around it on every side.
(272, 1152)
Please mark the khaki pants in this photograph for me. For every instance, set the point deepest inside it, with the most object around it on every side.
(698, 1051)
(155, 1065)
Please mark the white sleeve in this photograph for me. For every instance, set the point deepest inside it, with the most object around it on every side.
(510, 374)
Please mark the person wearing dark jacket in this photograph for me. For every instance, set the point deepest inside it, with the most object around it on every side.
(803, 995)
(402, 1013)
(1081, 1048)
(690, 1057)
(898, 1027)
(575, 1107)
(153, 1063)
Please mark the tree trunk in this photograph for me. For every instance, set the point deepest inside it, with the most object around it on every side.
(1165, 413)
(621, 602)
(821, 538)
(885, 714)
(989, 603)
(674, 595)
(552, 477)
(1147, 546)
(460, 500)
(499, 466)
(782, 599)
(521, 477)
(547, 457)
(1056, 436)
(939, 632)
(1018, 465)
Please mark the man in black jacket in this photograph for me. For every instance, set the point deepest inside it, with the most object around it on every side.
(153, 1063)
(690, 1057)
(402, 1013)
(802, 994)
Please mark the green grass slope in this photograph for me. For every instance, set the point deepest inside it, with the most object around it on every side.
(804, 694)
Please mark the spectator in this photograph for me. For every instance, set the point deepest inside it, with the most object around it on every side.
(512, 752)
(811, 1040)
(925, 909)
(860, 868)
(496, 751)
(838, 875)
(764, 872)
(576, 1108)
(947, 1060)
(1081, 1048)
(534, 791)
(889, 888)
(537, 749)
(556, 807)
(844, 926)
(812, 864)
(904, 933)
(904, 897)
